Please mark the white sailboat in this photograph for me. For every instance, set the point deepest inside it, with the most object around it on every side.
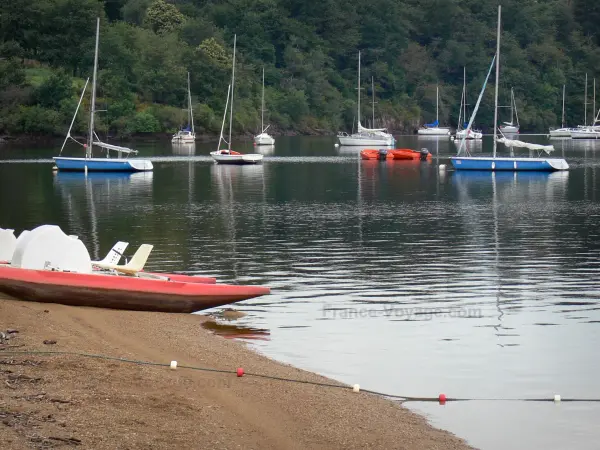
(433, 129)
(588, 131)
(228, 156)
(511, 127)
(462, 132)
(90, 163)
(562, 131)
(366, 137)
(187, 134)
(263, 138)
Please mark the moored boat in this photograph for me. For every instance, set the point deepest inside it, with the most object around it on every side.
(104, 290)
(397, 154)
(50, 267)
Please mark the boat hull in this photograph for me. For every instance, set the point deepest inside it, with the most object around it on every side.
(509, 129)
(509, 164)
(462, 134)
(367, 141)
(102, 164)
(403, 154)
(434, 131)
(236, 158)
(120, 292)
(264, 139)
(560, 132)
(585, 134)
(183, 140)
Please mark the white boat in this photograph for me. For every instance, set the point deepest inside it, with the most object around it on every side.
(562, 131)
(510, 163)
(462, 132)
(89, 163)
(366, 137)
(433, 129)
(228, 156)
(263, 138)
(511, 127)
(186, 135)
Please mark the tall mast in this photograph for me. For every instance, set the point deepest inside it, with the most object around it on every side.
(464, 93)
(358, 90)
(563, 109)
(594, 110)
(232, 81)
(497, 80)
(585, 102)
(262, 110)
(437, 100)
(190, 113)
(373, 95)
(512, 105)
(88, 153)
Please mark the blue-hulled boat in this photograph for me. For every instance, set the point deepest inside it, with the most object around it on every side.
(90, 163)
(510, 163)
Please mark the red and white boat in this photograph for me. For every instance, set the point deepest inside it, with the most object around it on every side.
(178, 294)
(50, 267)
(405, 154)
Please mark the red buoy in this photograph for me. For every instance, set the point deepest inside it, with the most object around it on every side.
(442, 399)
(240, 372)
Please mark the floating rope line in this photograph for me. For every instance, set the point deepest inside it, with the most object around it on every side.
(402, 398)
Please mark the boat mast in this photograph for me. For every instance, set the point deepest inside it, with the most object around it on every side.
(594, 110)
(262, 110)
(190, 113)
(563, 111)
(585, 102)
(358, 90)
(465, 92)
(373, 95)
(232, 81)
(497, 80)
(437, 100)
(88, 153)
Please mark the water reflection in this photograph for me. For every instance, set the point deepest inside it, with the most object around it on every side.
(265, 149)
(184, 148)
(86, 197)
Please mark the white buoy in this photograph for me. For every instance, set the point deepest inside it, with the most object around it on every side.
(336, 145)
(556, 398)
(356, 388)
(173, 365)
(442, 167)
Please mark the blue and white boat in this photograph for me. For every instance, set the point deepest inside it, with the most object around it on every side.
(509, 163)
(89, 163)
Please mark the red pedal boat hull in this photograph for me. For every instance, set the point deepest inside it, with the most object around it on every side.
(121, 292)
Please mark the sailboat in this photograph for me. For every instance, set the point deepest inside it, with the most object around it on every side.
(378, 137)
(433, 129)
(187, 134)
(562, 131)
(588, 131)
(462, 116)
(510, 127)
(504, 163)
(228, 156)
(118, 164)
(263, 138)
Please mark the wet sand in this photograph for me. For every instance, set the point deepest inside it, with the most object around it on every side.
(70, 401)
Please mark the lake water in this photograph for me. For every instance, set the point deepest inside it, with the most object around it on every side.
(393, 275)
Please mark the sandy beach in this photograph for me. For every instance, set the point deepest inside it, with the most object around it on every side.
(62, 401)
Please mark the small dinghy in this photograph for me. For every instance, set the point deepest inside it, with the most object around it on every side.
(405, 154)
(51, 267)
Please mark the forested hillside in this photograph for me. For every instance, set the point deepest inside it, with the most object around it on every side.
(309, 50)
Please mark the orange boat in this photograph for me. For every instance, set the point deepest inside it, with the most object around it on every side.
(405, 154)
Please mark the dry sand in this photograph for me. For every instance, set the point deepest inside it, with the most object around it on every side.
(69, 401)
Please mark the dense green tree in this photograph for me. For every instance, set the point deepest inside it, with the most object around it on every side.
(309, 51)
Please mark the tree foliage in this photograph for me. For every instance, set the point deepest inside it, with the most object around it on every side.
(309, 51)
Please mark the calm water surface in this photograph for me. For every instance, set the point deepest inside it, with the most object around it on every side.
(396, 276)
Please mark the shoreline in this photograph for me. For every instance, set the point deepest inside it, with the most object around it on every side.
(67, 400)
